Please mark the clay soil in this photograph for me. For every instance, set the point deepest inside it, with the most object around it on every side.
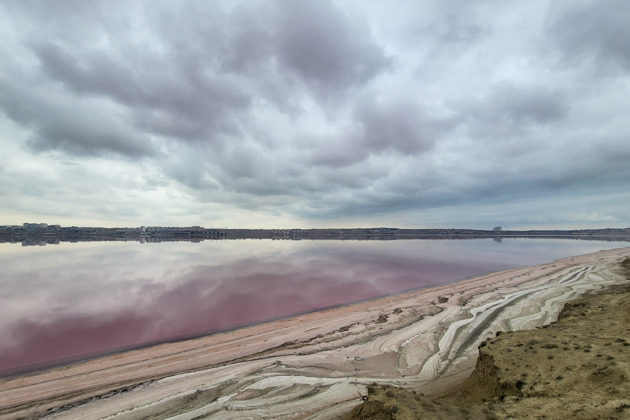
(577, 367)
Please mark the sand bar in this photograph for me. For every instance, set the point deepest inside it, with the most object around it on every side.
(315, 365)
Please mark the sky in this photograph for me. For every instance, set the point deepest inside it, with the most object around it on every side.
(303, 114)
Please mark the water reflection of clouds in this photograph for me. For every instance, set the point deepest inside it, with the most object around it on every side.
(71, 301)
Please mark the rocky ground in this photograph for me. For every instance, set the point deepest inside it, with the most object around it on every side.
(577, 367)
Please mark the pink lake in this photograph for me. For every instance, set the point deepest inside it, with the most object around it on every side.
(61, 303)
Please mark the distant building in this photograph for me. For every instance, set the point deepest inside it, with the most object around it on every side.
(32, 226)
(497, 229)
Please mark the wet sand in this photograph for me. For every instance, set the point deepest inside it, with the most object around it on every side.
(315, 365)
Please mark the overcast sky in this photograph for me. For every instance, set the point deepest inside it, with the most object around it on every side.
(315, 113)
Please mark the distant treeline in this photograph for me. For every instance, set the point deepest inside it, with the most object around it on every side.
(42, 234)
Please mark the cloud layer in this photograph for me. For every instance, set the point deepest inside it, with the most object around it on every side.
(298, 113)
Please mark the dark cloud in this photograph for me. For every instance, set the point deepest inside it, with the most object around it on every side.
(76, 128)
(194, 74)
(510, 110)
(164, 98)
(458, 33)
(249, 48)
(88, 72)
(399, 125)
(70, 20)
(596, 29)
(324, 47)
(537, 105)
(457, 23)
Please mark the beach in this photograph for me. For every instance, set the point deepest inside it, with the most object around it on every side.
(316, 365)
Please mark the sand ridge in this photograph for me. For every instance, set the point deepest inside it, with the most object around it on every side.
(570, 368)
(316, 365)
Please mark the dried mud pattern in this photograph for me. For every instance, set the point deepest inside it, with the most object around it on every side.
(316, 365)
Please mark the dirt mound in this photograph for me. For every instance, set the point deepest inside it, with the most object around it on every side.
(577, 367)
(386, 402)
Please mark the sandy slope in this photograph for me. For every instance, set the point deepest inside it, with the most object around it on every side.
(576, 367)
(315, 365)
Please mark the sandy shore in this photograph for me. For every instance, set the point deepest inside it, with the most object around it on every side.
(572, 368)
(316, 365)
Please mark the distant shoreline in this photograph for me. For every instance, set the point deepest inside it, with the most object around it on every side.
(33, 234)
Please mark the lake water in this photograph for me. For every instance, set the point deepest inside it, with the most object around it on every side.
(65, 302)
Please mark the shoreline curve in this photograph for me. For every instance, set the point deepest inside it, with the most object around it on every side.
(315, 365)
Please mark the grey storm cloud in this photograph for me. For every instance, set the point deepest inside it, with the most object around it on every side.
(509, 110)
(212, 65)
(75, 128)
(400, 125)
(598, 30)
(160, 95)
(537, 105)
(455, 23)
(324, 109)
(324, 47)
